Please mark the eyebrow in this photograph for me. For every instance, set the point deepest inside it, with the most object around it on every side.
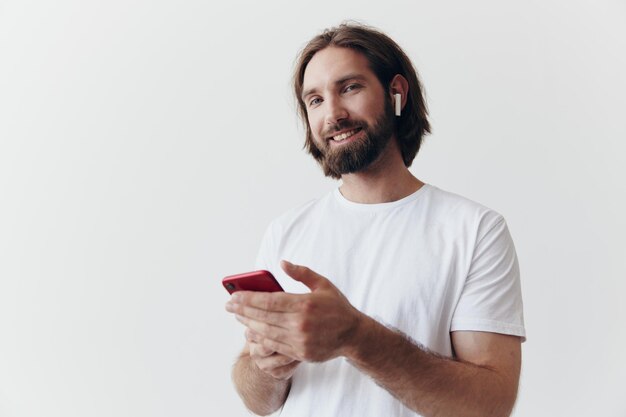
(340, 81)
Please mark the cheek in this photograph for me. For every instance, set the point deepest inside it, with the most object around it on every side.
(316, 126)
(371, 110)
(369, 106)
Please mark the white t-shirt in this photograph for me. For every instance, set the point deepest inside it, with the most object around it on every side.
(428, 264)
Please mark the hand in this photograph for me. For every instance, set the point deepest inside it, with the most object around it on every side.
(277, 365)
(312, 327)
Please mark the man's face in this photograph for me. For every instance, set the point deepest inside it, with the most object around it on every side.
(349, 113)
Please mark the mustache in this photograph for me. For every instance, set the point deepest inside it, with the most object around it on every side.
(342, 125)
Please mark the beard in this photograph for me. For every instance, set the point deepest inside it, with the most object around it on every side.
(359, 154)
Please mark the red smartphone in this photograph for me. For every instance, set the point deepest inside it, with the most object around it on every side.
(252, 281)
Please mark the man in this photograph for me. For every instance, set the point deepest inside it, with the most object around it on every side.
(402, 299)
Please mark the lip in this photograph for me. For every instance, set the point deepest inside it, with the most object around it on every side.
(357, 128)
(352, 138)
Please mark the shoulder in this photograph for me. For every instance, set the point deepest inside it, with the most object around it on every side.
(300, 214)
(456, 210)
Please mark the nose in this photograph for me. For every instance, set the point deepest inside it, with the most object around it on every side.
(335, 110)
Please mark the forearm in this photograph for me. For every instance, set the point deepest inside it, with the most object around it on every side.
(429, 384)
(261, 393)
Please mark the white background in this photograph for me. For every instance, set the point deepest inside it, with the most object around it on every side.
(145, 146)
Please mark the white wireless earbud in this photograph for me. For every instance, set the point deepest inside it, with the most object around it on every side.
(398, 97)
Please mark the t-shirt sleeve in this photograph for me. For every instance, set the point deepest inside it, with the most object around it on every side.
(491, 299)
(266, 248)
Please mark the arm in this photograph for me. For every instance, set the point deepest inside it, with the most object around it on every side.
(262, 378)
(482, 381)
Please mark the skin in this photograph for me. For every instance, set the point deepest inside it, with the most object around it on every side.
(283, 329)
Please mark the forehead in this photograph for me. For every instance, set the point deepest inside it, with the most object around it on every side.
(333, 63)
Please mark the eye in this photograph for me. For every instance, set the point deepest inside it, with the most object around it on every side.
(315, 101)
(351, 87)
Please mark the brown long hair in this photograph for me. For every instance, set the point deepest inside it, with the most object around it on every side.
(386, 59)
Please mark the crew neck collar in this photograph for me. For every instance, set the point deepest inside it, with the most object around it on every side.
(378, 206)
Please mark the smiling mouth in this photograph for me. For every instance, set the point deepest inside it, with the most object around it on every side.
(345, 135)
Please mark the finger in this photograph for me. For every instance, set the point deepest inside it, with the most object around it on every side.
(252, 336)
(280, 347)
(264, 330)
(258, 351)
(269, 301)
(291, 365)
(285, 372)
(274, 361)
(254, 340)
(310, 278)
(278, 319)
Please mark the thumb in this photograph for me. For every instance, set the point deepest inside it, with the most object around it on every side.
(303, 274)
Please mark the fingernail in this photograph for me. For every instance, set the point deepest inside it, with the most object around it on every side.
(230, 306)
(235, 298)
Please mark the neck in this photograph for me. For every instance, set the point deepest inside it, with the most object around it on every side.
(385, 180)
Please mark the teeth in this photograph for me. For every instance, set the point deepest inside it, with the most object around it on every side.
(343, 136)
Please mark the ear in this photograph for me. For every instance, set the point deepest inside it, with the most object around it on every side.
(399, 85)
